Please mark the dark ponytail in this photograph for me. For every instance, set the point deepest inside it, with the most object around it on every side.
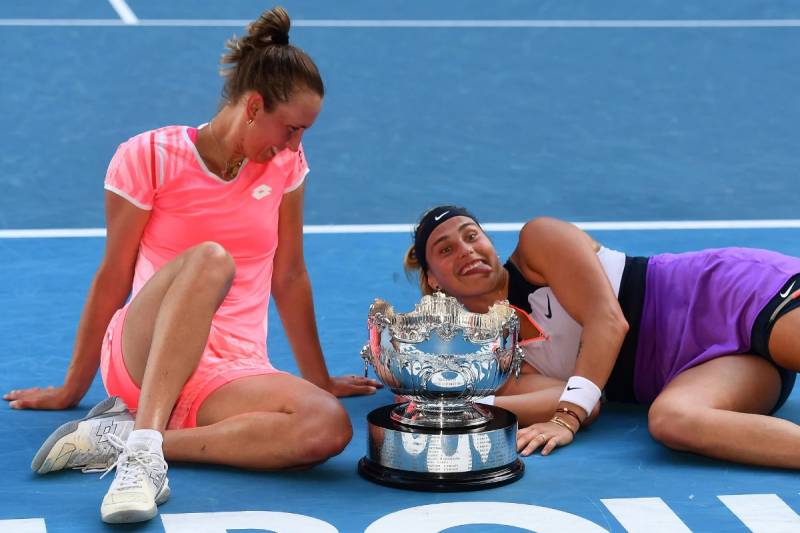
(265, 62)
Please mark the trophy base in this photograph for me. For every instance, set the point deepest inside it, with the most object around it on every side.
(470, 415)
(448, 482)
(441, 459)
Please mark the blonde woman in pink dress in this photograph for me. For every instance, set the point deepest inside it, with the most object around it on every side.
(204, 224)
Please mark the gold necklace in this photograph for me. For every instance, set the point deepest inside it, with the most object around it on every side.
(232, 166)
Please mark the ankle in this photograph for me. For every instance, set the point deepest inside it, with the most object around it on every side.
(146, 439)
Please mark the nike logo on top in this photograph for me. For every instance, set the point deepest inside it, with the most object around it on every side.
(438, 217)
(549, 313)
(789, 290)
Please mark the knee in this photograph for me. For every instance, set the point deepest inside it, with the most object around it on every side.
(326, 430)
(674, 425)
(215, 266)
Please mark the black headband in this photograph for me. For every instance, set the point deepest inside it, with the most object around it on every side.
(429, 222)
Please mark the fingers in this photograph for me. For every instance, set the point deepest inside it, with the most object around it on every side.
(352, 386)
(361, 389)
(38, 402)
(18, 393)
(24, 401)
(361, 380)
(550, 446)
(533, 437)
(532, 442)
(33, 398)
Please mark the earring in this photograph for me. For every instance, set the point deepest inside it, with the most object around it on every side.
(250, 122)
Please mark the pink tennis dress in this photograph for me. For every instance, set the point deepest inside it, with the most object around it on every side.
(162, 171)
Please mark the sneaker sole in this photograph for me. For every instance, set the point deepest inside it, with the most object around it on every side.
(129, 516)
(41, 464)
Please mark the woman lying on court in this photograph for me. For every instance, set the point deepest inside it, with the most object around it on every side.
(203, 224)
(709, 339)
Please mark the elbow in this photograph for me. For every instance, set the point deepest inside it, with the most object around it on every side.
(620, 327)
(537, 227)
(114, 279)
(282, 284)
(615, 324)
(115, 271)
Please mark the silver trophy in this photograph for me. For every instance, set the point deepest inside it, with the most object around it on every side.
(441, 358)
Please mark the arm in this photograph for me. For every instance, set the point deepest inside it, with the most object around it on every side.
(107, 293)
(291, 289)
(565, 257)
(534, 397)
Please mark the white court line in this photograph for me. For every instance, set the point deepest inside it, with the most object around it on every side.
(645, 515)
(26, 525)
(763, 513)
(124, 11)
(416, 23)
(343, 229)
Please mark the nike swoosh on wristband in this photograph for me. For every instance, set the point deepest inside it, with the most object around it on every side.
(437, 217)
(573, 388)
(789, 290)
(549, 313)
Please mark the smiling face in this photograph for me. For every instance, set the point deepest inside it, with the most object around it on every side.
(281, 128)
(462, 261)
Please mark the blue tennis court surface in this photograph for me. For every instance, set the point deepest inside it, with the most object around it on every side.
(627, 123)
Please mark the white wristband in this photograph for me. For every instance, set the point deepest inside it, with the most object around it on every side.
(582, 393)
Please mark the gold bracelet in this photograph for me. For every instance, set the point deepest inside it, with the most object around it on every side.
(560, 421)
(571, 413)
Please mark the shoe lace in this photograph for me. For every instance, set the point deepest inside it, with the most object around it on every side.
(101, 459)
(133, 465)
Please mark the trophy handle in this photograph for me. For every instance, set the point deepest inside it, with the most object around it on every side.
(366, 355)
(516, 364)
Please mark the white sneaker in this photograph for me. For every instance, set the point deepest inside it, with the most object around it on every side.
(139, 487)
(83, 444)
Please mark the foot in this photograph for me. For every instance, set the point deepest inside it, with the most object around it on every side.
(139, 487)
(83, 444)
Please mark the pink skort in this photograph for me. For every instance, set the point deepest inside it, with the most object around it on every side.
(224, 359)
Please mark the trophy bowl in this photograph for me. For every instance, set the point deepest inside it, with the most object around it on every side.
(441, 358)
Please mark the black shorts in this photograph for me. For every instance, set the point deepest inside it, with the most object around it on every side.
(762, 328)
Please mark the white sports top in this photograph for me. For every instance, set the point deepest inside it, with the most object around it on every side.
(556, 356)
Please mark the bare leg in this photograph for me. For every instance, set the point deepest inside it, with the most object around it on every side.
(264, 422)
(167, 326)
(784, 341)
(718, 409)
(165, 332)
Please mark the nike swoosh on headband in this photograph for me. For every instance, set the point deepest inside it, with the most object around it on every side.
(437, 217)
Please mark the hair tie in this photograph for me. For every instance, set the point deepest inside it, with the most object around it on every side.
(280, 39)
